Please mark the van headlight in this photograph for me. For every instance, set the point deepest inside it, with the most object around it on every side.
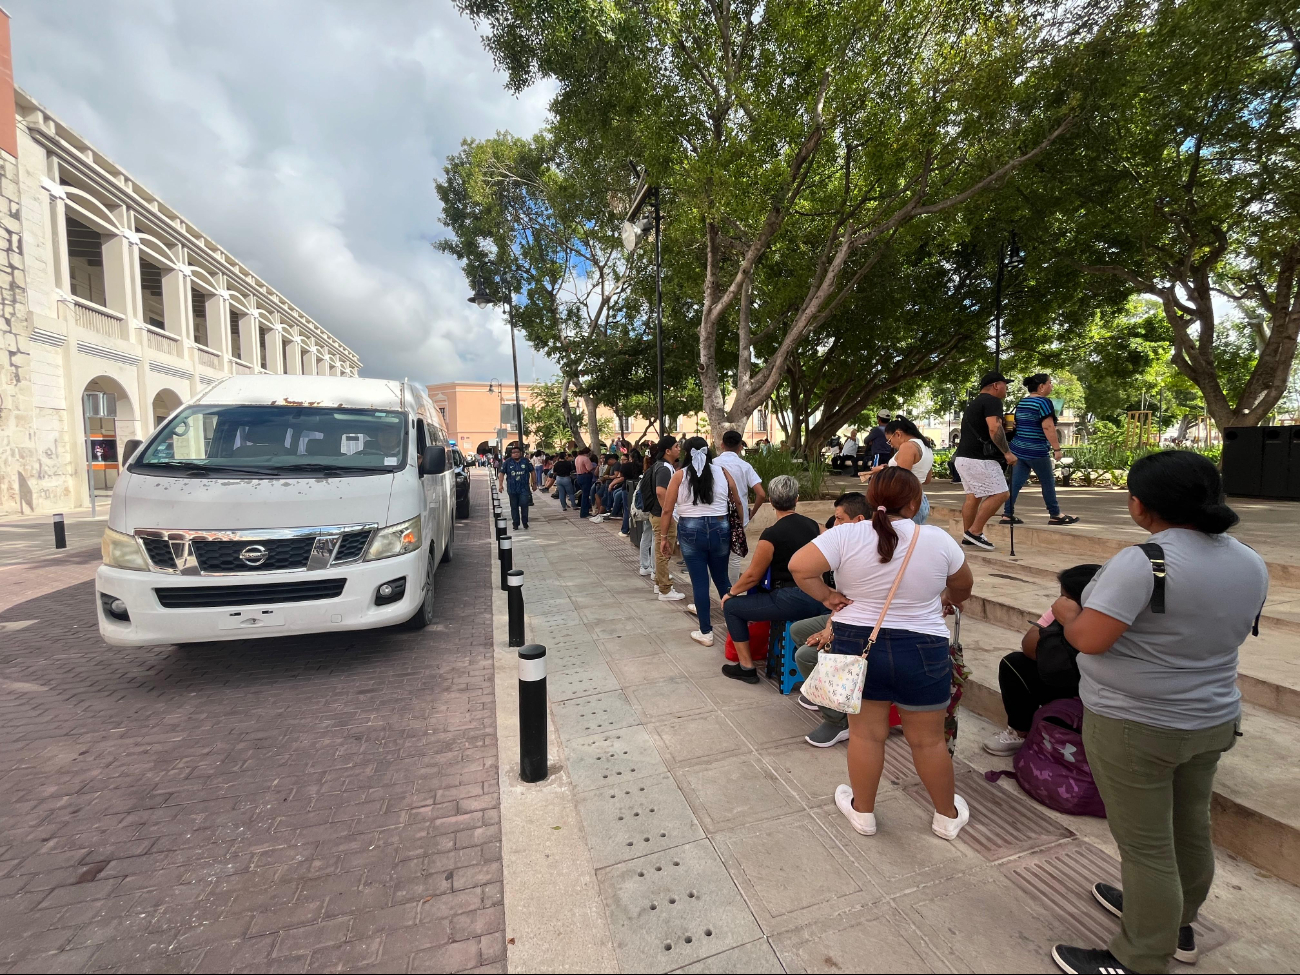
(122, 551)
(395, 540)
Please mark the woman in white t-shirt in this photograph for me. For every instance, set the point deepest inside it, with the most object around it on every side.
(912, 451)
(909, 665)
(697, 497)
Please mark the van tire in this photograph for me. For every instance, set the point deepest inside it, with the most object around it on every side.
(451, 538)
(423, 615)
(462, 507)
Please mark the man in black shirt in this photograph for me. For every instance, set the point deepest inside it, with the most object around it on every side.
(565, 490)
(979, 459)
(877, 449)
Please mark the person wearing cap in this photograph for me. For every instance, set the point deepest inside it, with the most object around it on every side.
(979, 459)
(877, 449)
(1036, 444)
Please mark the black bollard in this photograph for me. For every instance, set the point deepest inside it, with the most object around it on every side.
(501, 526)
(515, 603)
(60, 536)
(506, 556)
(532, 713)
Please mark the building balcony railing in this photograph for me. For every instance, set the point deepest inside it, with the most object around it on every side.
(207, 358)
(240, 368)
(95, 318)
(159, 341)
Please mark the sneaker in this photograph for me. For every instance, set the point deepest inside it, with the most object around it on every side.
(690, 608)
(1006, 742)
(736, 672)
(646, 572)
(1096, 961)
(826, 734)
(671, 595)
(978, 541)
(624, 534)
(807, 704)
(703, 639)
(949, 828)
(864, 823)
(1112, 899)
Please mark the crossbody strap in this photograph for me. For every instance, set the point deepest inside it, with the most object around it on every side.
(1156, 556)
(911, 547)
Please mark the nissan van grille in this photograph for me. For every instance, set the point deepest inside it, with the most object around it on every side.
(241, 553)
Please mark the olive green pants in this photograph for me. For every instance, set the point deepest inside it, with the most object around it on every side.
(1157, 784)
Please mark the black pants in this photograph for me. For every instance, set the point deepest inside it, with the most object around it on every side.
(518, 508)
(1023, 691)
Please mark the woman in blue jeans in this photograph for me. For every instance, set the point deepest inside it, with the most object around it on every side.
(784, 600)
(1036, 445)
(697, 497)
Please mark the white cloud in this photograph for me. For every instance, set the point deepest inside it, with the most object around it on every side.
(304, 137)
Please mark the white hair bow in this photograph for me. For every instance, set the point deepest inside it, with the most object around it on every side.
(699, 457)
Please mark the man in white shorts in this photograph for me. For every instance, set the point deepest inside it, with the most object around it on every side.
(983, 436)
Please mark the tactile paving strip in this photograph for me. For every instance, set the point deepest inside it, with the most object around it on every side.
(632, 819)
(670, 909)
(898, 760)
(612, 758)
(1060, 881)
(593, 715)
(565, 685)
(1002, 824)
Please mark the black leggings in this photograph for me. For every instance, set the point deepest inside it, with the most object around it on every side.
(1023, 691)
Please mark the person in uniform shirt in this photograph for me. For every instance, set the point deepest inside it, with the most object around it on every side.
(518, 479)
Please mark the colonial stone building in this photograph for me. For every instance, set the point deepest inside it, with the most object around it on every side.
(116, 310)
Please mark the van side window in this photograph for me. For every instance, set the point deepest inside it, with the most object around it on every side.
(421, 438)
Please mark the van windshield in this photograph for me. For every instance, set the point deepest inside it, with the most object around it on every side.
(277, 441)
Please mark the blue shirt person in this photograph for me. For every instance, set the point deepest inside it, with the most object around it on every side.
(517, 478)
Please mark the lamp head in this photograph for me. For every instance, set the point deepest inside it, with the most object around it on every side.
(480, 297)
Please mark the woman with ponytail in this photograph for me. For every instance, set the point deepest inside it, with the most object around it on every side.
(697, 497)
(909, 664)
(1157, 632)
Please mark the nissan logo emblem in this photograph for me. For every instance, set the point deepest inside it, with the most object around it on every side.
(253, 554)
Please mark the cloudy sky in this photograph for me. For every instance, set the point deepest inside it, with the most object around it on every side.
(304, 137)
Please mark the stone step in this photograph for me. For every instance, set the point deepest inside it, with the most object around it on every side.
(1268, 669)
(1083, 544)
(1256, 808)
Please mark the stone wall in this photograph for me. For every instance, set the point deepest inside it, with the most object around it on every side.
(19, 480)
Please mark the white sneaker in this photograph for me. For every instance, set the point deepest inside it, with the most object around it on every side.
(703, 639)
(1006, 742)
(690, 608)
(646, 572)
(597, 519)
(671, 595)
(942, 825)
(624, 534)
(864, 823)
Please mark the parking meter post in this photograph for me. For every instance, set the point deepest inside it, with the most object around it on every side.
(515, 603)
(60, 535)
(532, 713)
(506, 556)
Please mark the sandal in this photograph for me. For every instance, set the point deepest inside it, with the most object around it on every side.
(1012, 520)
(1062, 520)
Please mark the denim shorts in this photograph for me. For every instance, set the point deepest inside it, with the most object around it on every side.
(912, 670)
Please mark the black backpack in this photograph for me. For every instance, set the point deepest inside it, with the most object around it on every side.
(646, 490)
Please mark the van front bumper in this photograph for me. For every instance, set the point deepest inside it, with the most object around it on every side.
(354, 608)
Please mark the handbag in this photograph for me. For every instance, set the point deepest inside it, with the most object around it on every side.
(836, 682)
(739, 544)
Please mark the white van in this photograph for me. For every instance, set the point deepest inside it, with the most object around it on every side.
(279, 505)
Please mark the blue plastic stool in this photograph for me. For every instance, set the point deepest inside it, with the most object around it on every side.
(780, 659)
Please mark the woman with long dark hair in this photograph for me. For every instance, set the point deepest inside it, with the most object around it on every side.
(913, 451)
(697, 498)
(1157, 632)
(909, 664)
(1036, 445)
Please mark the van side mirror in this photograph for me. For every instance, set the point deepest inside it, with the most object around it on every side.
(434, 460)
(129, 451)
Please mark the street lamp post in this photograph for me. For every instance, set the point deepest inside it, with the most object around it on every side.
(1009, 257)
(633, 230)
(481, 298)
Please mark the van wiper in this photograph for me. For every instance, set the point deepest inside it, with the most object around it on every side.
(205, 469)
(331, 468)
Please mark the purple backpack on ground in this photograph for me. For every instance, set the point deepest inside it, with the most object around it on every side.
(1051, 765)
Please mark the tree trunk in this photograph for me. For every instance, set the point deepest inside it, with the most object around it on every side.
(570, 420)
(593, 422)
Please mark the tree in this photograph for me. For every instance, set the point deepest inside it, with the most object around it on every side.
(1184, 183)
(818, 129)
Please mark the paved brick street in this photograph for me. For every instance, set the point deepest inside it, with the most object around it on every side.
(273, 805)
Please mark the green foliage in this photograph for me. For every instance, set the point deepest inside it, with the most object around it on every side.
(774, 462)
(545, 423)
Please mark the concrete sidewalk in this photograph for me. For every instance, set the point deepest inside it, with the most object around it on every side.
(688, 826)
